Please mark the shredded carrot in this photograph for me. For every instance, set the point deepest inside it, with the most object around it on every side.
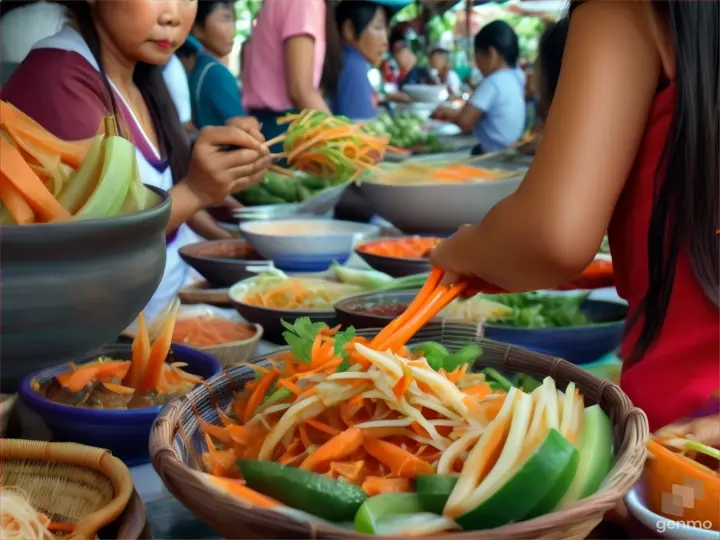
(401, 462)
(338, 448)
(258, 395)
(375, 485)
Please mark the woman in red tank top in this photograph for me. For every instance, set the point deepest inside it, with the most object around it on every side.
(631, 146)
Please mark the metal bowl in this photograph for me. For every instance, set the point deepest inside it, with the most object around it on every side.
(222, 262)
(67, 289)
(577, 344)
(436, 208)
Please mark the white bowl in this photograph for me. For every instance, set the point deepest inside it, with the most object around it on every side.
(662, 526)
(436, 208)
(306, 245)
(422, 110)
(426, 93)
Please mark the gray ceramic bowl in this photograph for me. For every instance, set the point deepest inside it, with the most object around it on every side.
(68, 289)
(436, 208)
(222, 262)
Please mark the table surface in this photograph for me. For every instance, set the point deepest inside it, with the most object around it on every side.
(169, 519)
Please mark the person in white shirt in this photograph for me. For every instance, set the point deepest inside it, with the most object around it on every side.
(176, 80)
(441, 68)
(22, 26)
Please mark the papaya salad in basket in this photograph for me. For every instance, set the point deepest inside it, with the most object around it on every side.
(385, 438)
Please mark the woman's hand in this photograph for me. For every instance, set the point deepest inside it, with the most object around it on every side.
(449, 255)
(227, 159)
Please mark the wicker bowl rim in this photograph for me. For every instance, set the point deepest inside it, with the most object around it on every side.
(177, 463)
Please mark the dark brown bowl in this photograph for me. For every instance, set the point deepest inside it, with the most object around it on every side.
(395, 266)
(222, 262)
(270, 319)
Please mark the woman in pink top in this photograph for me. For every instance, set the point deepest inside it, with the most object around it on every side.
(285, 61)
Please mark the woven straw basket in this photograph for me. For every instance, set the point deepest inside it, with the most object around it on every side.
(175, 444)
(73, 483)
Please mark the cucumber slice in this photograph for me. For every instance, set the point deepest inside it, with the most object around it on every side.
(303, 490)
(596, 455)
(527, 488)
(435, 491)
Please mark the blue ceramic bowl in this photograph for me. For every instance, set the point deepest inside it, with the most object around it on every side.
(577, 344)
(125, 433)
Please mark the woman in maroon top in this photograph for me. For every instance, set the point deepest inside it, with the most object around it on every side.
(111, 63)
(631, 146)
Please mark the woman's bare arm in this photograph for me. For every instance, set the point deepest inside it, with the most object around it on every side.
(299, 69)
(553, 225)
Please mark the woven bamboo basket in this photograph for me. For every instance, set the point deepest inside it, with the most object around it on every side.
(7, 402)
(176, 443)
(73, 483)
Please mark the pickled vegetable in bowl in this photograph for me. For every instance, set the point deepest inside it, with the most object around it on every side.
(149, 379)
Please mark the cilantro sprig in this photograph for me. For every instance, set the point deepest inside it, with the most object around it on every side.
(301, 334)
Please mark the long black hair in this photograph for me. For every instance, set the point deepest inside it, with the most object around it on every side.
(550, 53)
(500, 36)
(359, 13)
(333, 64)
(685, 214)
(149, 80)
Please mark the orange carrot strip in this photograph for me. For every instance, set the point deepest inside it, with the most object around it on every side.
(158, 353)
(54, 526)
(119, 389)
(339, 447)
(424, 294)
(294, 388)
(14, 168)
(140, 355)
(321, 426)
(441, 298)
(236, 487)
(15, 203)
(376, 485)
(258, 395)
(400, 462)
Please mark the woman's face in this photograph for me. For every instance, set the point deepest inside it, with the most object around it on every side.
(487, 61)
(218, 33)
(147, 31)
(373, 41)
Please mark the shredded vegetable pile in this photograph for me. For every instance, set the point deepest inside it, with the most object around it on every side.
(209, 330)
(440, 172)
(372, 418)
(323, 145)
(297, 293)
(20, 521)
